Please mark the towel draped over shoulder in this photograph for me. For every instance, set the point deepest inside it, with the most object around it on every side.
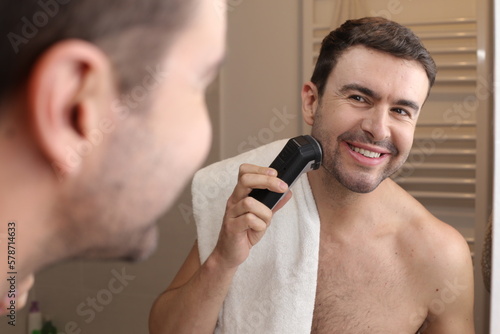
(273, 291)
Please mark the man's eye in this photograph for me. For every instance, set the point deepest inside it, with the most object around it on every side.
(357, 98)
(401, 112)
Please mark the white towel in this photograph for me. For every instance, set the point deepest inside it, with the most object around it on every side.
(273, 291)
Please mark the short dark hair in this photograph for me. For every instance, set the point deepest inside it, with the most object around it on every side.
(375, 33)
(123, 29)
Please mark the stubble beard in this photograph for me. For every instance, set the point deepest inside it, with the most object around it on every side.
(360, 181)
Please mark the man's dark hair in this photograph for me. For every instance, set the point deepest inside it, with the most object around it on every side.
(133, 33)
(375, 33)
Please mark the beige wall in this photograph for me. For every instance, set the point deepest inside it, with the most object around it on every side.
(260, 83)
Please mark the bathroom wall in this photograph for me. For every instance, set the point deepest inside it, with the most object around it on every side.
(260, 83)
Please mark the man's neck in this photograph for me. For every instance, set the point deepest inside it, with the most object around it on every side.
(343, 210)
(26, 211)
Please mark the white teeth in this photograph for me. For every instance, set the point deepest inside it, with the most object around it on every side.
(364, 152)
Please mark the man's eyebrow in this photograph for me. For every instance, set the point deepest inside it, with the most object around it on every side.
(368, 92)
(362, 89)
(409, 104)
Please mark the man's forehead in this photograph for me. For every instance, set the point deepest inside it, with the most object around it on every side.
(380, 72)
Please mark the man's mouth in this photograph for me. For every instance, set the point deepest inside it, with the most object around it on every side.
(364, 152)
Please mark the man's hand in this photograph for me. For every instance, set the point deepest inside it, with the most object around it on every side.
(192, 302)
(246, 219)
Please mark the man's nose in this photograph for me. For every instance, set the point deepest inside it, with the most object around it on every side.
(376, 124)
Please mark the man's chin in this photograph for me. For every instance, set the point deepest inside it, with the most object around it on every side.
(138, 247)
(144, 247)
(144, 251)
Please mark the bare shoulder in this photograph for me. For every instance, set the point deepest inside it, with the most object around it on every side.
(439, 246)
(439, 263)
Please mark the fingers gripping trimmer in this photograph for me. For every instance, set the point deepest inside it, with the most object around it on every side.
(300, 155)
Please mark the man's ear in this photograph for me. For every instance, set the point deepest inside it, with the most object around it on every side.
(310, 101)
(69, 93)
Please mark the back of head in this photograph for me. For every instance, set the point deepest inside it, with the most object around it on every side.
(121, 28)
(375, 33)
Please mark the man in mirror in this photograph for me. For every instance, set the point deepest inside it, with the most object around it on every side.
(351, 251)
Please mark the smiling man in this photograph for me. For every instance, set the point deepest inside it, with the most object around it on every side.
(351, 252)
(102, 123)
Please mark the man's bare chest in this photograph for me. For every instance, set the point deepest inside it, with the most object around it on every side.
(366, 290)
